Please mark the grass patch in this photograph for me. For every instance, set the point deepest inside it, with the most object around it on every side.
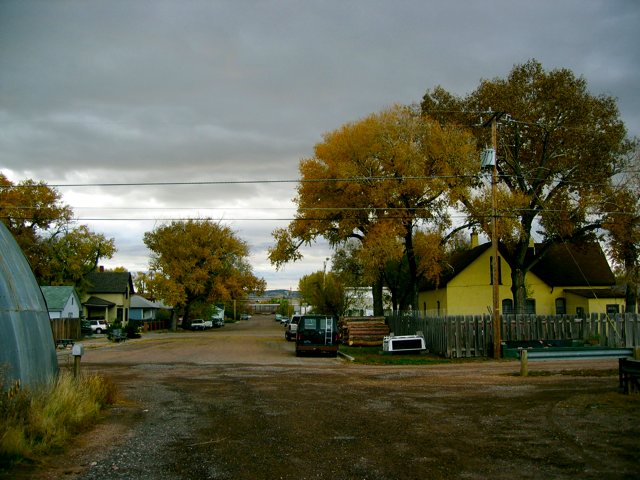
(375, 356)
(40, 421)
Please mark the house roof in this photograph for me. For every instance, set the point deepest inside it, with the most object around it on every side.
(564, 264)
(98, 302)
(575, 265)
(109, 282)
(138, 301)
(57, 296)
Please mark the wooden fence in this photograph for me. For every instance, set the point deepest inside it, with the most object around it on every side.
(66, 328)
(472, 336)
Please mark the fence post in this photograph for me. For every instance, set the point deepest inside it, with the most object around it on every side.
(524, 363)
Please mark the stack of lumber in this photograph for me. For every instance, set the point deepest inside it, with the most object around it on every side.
(363, 331)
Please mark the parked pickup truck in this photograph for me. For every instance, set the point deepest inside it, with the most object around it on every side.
(292, 328)
(217, 322)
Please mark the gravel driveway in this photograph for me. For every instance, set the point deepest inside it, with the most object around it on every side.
(235, 403)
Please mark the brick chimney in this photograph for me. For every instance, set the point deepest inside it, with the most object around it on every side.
(474, 239)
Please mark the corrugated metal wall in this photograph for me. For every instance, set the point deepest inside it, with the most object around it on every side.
(27, 350)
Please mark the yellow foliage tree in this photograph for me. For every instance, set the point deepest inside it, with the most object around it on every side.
(379, 180)
(559, 147)
(199, 261)
(59, 252)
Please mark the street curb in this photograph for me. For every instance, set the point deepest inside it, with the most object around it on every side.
(348, 357)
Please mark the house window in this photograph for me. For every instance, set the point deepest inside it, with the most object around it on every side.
(507, 306)
(613, 309)
(499, 271)
(530, 306)
(561, 306)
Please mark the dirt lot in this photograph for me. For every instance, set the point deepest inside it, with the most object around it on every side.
(235, 403)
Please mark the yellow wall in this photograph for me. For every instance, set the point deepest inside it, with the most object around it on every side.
(471, 293)
(111, 314)
(592, 305)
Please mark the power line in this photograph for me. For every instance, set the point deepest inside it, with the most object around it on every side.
(240, 182)
(266, 182)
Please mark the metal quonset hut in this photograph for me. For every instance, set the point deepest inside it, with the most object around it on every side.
(27, 350)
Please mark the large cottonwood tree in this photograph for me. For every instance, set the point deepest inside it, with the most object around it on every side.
(59, 251)
(559, 146)
(201, 260)
(379, 180)
(622, 224)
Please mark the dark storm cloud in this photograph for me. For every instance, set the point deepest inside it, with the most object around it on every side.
(143, 91)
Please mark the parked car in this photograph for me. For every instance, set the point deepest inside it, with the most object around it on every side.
(98, 326)
(197, 324)
(317, 334)
(85, 327)
(208, 323)
(284, 320)
(245, 316)
(292, 328)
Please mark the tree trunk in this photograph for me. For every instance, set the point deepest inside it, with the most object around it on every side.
(631, 289)
(631, 298)
(376, 291)
(186, 321)
(518, 290)
(173, 320)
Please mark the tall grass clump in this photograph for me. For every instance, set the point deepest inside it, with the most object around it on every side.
(39, 421)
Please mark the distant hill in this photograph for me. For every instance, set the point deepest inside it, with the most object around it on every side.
(278, 293)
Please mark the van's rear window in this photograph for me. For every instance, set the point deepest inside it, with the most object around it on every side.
(309, 323)
(316, 323)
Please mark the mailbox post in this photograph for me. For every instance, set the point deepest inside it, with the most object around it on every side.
(77, 351)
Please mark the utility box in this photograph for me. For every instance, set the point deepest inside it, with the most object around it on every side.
(488, 158)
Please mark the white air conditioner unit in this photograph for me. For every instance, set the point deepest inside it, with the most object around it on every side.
(403, 343)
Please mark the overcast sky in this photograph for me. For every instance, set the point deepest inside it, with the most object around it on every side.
(108, 91)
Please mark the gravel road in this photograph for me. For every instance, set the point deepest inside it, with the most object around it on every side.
(236, 403)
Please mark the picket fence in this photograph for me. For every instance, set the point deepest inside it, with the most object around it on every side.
(472, 335)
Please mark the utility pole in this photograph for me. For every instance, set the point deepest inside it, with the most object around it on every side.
(495, 278)
(497, 335)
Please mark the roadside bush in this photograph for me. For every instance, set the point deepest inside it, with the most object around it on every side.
(131, 330)
(35, 422)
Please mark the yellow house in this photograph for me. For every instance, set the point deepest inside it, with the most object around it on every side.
(108, 296)
(570, 279)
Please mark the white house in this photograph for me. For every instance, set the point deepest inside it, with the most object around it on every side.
(62, 301)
